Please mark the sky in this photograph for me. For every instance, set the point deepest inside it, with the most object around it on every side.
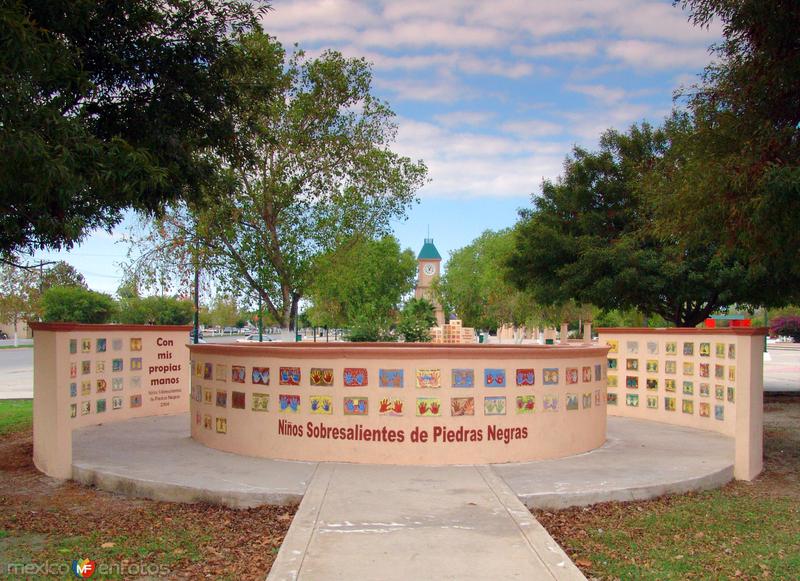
(492, 95)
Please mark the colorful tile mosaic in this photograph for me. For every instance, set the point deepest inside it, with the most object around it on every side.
(136, 343)
(633, 347)
(238, 373)
(238, 400)
(631, 382)
(669, 385)
(632, 399)
(550, 376)
(117, 384)
(651, 366)
(321, 404)
(222, 426)
(100, 406)
(207, 422)
(86, 408)
(429, 407)
(101, 386)
(390, 378)
(73, 410)
(611, 398)
(598, 372)
(73, 390)
(705, 410)
(100, 367)
(208, 395)
(260, 375)
(289, 403)
(719, 412)
(428, 378)
(598, 398)
(289, 376)
(719, 392)
(731, 394)
(321, 376)
(688, 349)
(732, 351)
(136, 382)
(669, 404)
(688, 368)
(463, 378)
(208, 371)
(704, 370)
(572, 402)
(116, 365)
(390, 407)
(136, 364)
(571, 375)
(86, 387)
(631, 365)
(86, 367)
(73, 346)
(494, 406)
(116, 403)
(705, 349)
(356, 406)
(687, 406)
(136, 400)
(586, 374)
(670, 349)
(586, 400)
(462, 406)
(116, 344)
(550, 403)
(612, 381)
(705, 390)
(494, 377)
(260, 402)
(355, 377)
(671, 367)
(221, 372)
(222, 398)
(100, 346)
(719, 349)
(731, 373)
(652, 402)
(612, 363)
(526, 404)
(613, 345)
(688, 388)
(652, 384)
(652, 347)
(86, 345)
(526, 377)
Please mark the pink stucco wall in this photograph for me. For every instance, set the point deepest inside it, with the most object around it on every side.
(94, 374)
(714, 377)
(223, 414)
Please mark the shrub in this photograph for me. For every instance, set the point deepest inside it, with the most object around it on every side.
(416, 320)
(72, 304)
(787, 326)
(156, 311)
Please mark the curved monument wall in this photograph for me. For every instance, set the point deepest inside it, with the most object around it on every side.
(399, 404)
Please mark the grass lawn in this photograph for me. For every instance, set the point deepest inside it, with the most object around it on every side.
(45, 521)
(17, 347)
(15, 415)
(741, 531)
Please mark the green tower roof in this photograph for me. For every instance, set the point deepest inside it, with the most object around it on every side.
(429, 251)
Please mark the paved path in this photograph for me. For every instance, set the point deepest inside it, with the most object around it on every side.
(782, 371)
(395, 523)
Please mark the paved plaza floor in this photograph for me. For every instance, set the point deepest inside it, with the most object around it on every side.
(405, 522)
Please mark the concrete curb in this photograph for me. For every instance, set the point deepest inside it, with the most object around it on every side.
(561, 500)
(172, 492)
(555, 559)
(290, 557)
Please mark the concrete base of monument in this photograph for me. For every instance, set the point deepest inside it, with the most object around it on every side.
(155, 458)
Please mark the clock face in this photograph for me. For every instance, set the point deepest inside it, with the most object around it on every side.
(429, 269)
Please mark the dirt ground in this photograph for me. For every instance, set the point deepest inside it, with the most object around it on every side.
(42, 519)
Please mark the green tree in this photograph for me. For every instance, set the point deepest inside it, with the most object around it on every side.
(315, 168)
(105, 106)
(76, 305)
(156, 311)
(224, 311)
(19, 294)
(590, 238)
(63, 274)
(475, 284)
(416, 320)
(361, 281)
(734, 180)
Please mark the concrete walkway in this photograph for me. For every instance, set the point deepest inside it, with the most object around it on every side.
(395, 523)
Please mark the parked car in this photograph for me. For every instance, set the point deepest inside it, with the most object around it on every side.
(3, 335)
(254, 339)
(200, 337)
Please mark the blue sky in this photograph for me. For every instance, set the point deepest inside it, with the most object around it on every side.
(491, 94)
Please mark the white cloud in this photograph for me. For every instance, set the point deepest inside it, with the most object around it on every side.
(559, 49)
(643, 54)
(533, 128)
(442, 90)
(465, 118)
(600, 92)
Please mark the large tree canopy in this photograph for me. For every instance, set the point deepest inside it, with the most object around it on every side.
(735, 179)
(590, 238)
(104, 106)
(314, 168)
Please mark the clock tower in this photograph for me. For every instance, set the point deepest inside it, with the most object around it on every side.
(428, 270)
